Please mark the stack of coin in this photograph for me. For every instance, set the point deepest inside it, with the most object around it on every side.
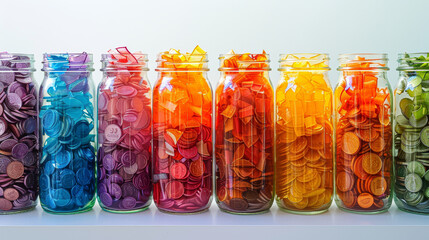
(124, 133)
(18, 134)
(244, 135)
(67, 164)
(182, 133)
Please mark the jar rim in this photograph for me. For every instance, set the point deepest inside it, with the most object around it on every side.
(410, 61)
(315, 58)
(6, 56)
(223, 57)
(140, 66)
(378, 60)
(66, 65)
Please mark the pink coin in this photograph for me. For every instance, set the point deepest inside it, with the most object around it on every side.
(113, 133)
(126, 91)
(103, 99)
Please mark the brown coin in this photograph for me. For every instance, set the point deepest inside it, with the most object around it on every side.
(5, 205)
(15, 170)
(250, 195)
(238, 204)
(11, 194)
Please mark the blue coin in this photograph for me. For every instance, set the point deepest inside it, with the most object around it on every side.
(68, 179)
(44, 183)
(49, 168)
(78, 163)
(47, 199)
(61, 197)
(62, 159)
(81, 129)
(83, 176)
(49, 118)
(78, 195)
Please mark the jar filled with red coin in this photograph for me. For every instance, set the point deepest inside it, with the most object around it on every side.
(182, 133)
(244, 134)
(124, 133)
(304, 134)
(19, 147)
(363, 134)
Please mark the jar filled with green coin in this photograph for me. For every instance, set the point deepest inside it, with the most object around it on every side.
(412, 133)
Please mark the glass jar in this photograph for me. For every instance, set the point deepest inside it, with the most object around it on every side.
(182, 133)
(19, 147)
(244, 134)
(124, 133)
(412, 133)
(363, 134)
(67, 134)
(304, 134)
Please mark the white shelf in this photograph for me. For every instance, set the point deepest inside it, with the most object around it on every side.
(213, 224)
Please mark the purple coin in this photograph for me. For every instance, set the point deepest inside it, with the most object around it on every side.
(109, 162)
(8, 144)
(7, 76)
(3, 124)
(128, 159)
(106, 199)
(116, 178)
(19, 150)
(30, 125)
(4, 161)
(128, 190)
(13, 101)
(102, 188)
(141, 181)
(115, 190)
(29, 159)
(129, 202)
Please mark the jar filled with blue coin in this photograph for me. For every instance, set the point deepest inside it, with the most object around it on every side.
(18, 133)
(67, 163)
(124, 133)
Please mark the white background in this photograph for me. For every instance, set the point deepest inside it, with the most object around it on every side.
(329, 26)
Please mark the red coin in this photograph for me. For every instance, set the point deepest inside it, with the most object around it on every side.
(178, 170)
(174, 189)
(15, 170)
(5, 205)
(11, 194)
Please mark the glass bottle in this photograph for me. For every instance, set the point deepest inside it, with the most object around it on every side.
(304, 134)
(67, 134)
(124, 133)
(182, 133)
(19, 147)
(244, 134)
(363, 134)
(412, 133)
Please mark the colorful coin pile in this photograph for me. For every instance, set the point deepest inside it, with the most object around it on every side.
(124, 132)
(182, 132)
(363, 139)
(244, 134)
(18, 134)
(412, 135)
(304, 134)
(67, 165)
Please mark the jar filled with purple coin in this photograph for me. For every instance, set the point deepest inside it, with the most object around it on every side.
(124, 133)
(18, 133)
(67, 163)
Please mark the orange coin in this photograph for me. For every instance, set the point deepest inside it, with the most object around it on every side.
(351, 143)
(371, 163)
(197, 168)
(365, 200)
(344, 182)
(378, 186)
(378, 144)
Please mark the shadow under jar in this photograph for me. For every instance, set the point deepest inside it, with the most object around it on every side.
(67, 134)
(304, 134)
(182, 133)
(363, 134)
(19, 147)
(124, 133)
(244, 134)
(412, 134)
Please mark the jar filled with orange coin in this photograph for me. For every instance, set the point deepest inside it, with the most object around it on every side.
(304, 134)
(244, 134)
(363, 134)
(182, 133)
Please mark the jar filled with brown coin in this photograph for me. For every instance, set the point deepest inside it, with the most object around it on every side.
(19, 147)
(363, 134)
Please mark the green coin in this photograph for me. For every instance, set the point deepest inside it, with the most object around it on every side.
(419, 112)
(418, 123)
(415, 92)
(407, 107)
(416, 167)
(410, 157)
(398, 129)
(413, 182)
(424, 136)
(425, 83)
(402, 171)
(414, 81)
(403, 122)
(426, 176)
(410, 136)
(422, 148)
(426, 192)
(408, 149)
(423, 205)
